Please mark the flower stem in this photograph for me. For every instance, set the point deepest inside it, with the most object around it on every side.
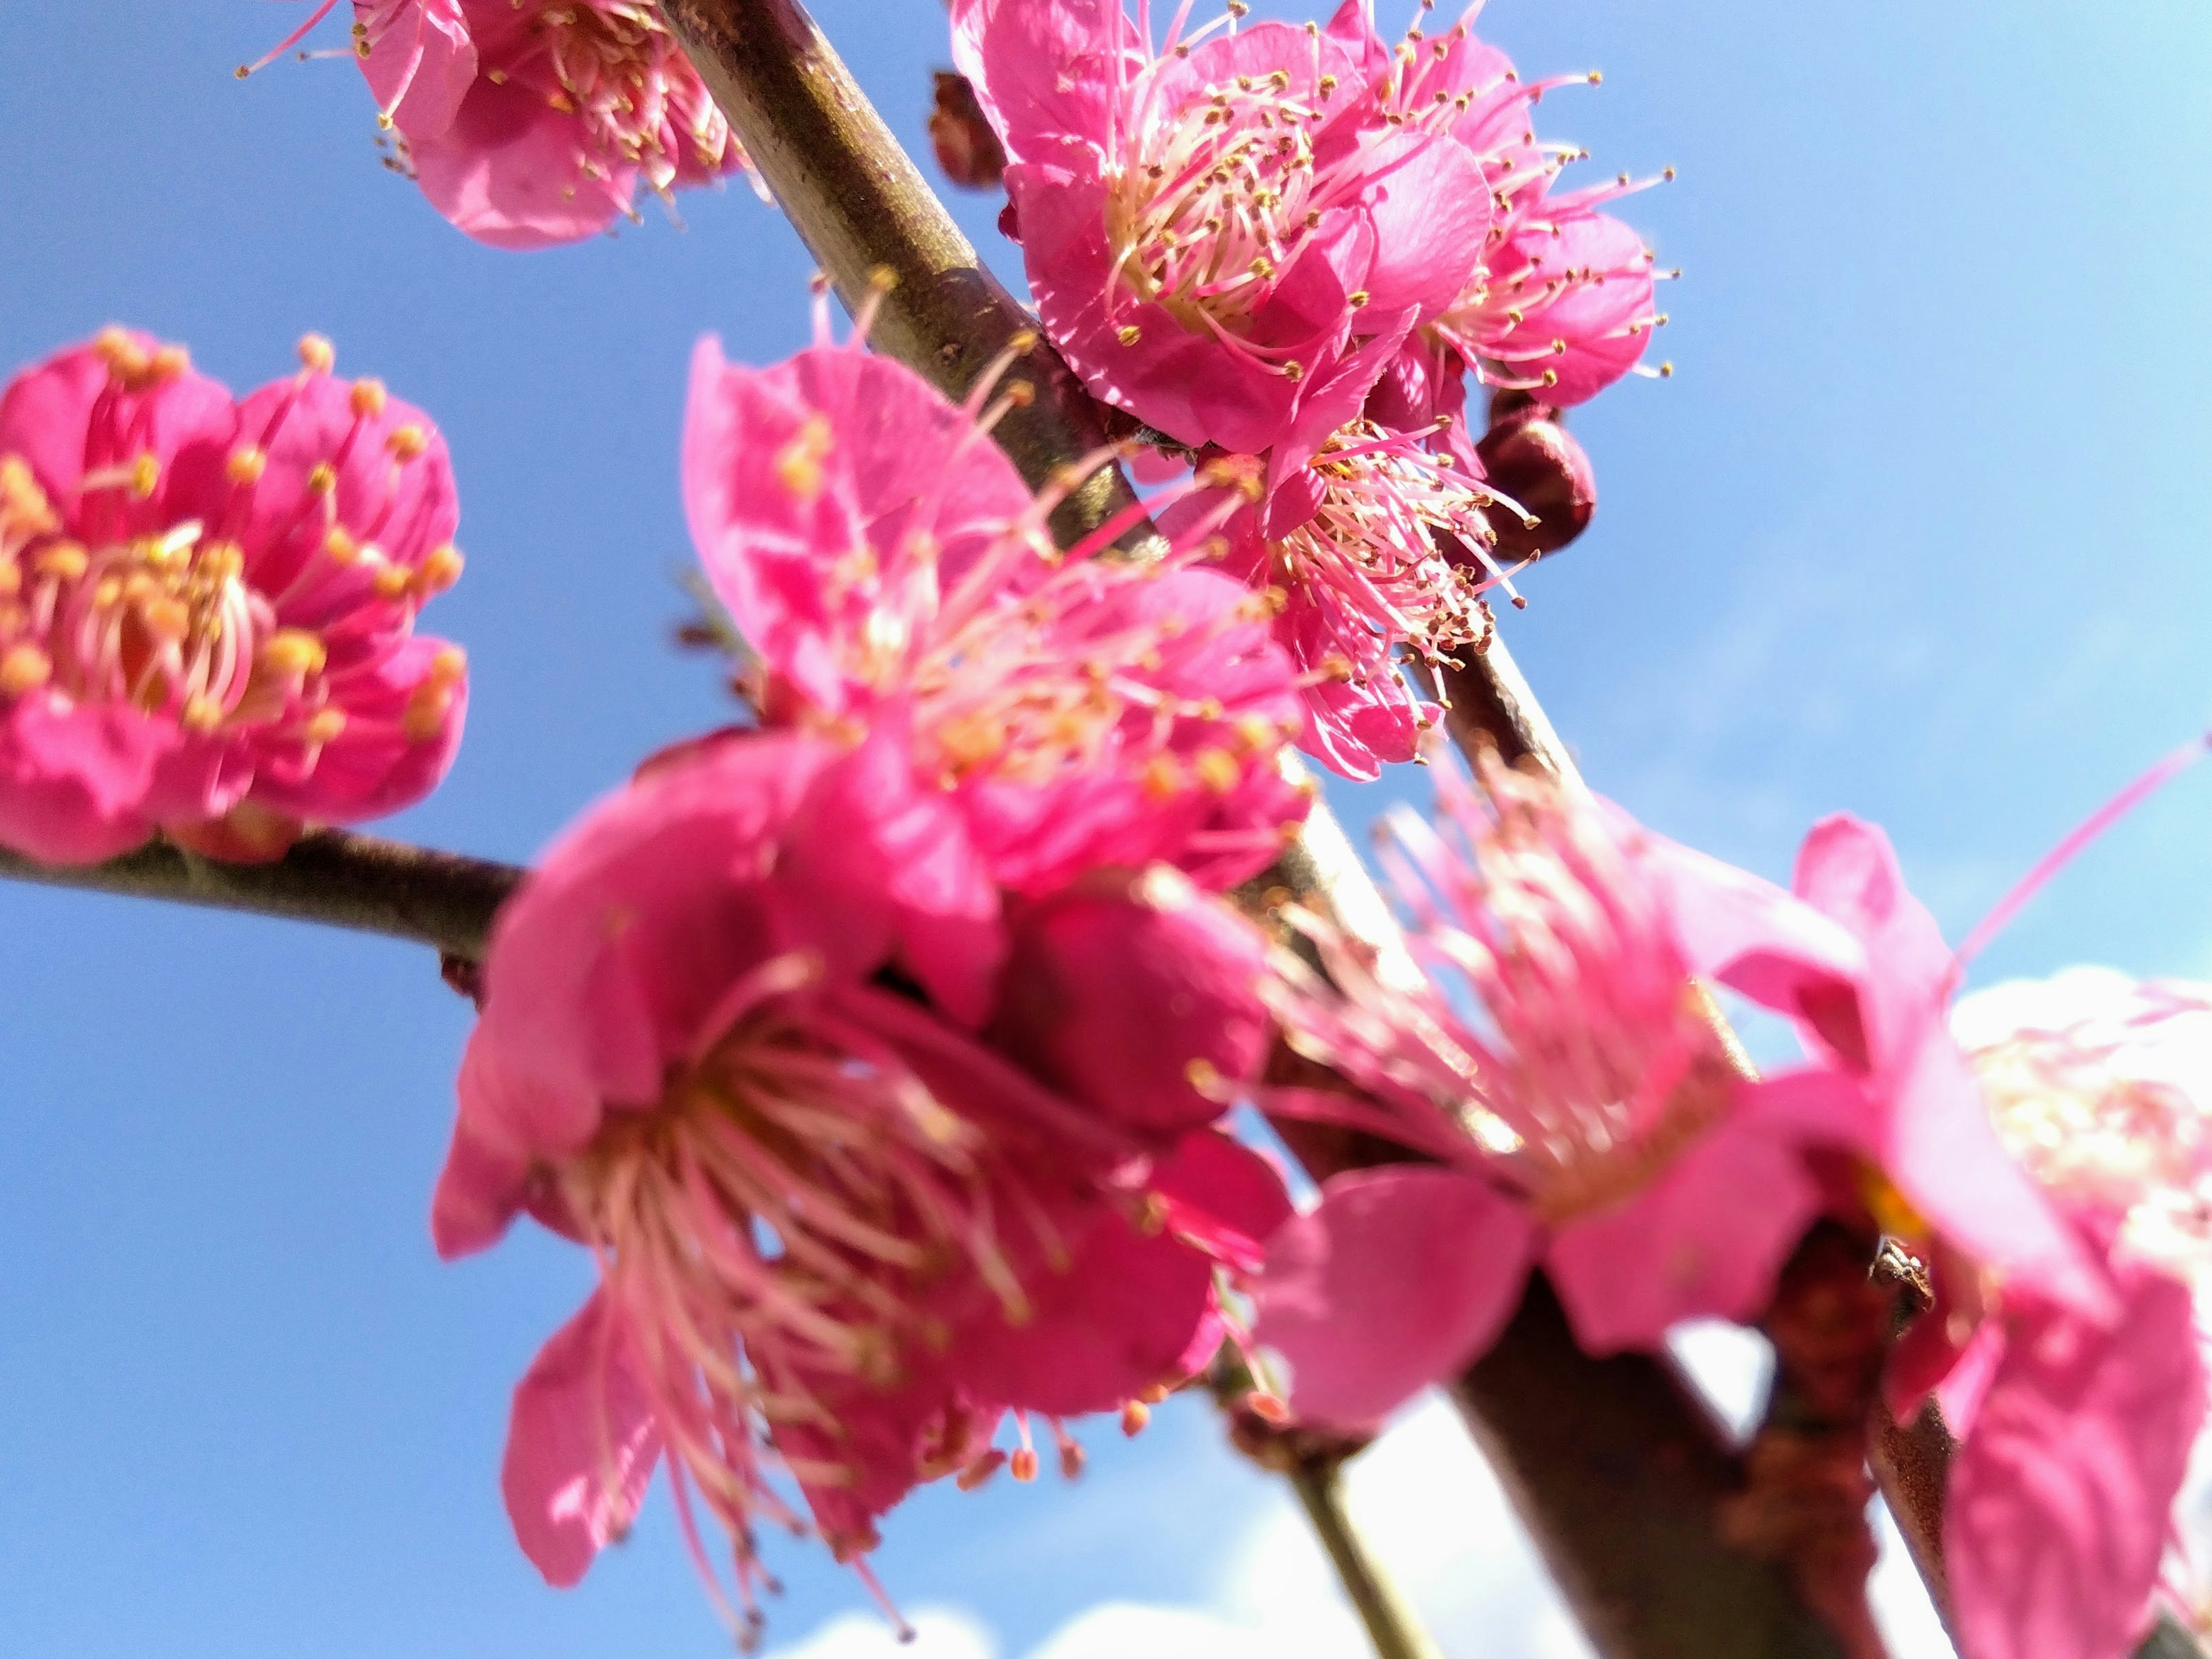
(1391, 1623)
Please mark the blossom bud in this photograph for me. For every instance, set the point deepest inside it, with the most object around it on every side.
(967, 148)
(1530, 457)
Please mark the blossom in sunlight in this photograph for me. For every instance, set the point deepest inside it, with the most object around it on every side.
(1576, 1101)
(1376, 546)
(840, 1235)
(880, 555)
(207, 604)
(529, 123)
(1215, 228)
(2062, 1346)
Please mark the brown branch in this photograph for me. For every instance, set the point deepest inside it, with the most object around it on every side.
(359, 882)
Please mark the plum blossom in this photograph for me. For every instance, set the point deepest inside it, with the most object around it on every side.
(529, 123)
(841, 1237)
(889, 567)
(207, 604)
(1561, 301)
(1218, 229)
(1572, 1098)
(1374, 546)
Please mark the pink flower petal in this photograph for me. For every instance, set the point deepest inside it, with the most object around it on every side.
(73, 781)
(2061, 1499)
(581, 1447)
(1706, 1238)
(1398, 1279)
(1225, 1194)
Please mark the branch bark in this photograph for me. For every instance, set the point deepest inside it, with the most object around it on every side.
(364, 883)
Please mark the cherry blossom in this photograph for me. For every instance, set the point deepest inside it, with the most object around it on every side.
(207, 604)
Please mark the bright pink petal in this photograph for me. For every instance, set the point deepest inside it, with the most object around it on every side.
(1141, 1000)
(581, 1447)
(421, 61)
(1398, 1279)
(1115, 1323)
(513, 172)
(1039, 67)
(1706, 1238)
(1228, 1196)
(74, 781)
(2061, 1500)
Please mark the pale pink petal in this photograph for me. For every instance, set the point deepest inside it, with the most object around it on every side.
(1398, 1279)
(2061, 1500)
(581, 1447)
(513, 172)
(421, 61)
(1705, 1239)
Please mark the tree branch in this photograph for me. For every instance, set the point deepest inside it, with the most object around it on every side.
(359, 882)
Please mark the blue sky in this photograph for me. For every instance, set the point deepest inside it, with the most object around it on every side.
(1917, 529)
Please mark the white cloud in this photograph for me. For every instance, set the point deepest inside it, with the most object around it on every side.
(1430, 1508)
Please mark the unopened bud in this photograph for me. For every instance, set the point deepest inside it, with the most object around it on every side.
(1528, 456)
(967, 148)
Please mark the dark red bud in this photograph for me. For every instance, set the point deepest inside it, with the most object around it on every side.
(967, 148)
(1528, 456)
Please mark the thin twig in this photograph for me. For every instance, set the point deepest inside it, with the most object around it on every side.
(359, 882)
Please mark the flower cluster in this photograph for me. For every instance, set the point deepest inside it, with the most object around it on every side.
(1293, 244)
(207, 604)
(1570, 1103)
(876, 1051)
(529, 123)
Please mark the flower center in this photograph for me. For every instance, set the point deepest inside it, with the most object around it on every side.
(616, 66)
(1212, 201)
(1370, 546)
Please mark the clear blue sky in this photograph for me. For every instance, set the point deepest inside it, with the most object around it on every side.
(1918, 528)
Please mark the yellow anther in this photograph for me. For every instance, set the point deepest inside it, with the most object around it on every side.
(24, 508)
(1135, 1414)
(367, 399)
(1202, 1074)
(448, 665)
(324, 726)
(166, 618)
(317, 354)
(1127, 334)
(11, 579)
(1162, 777)
(406, 442)
(882, 278)
(440, 571)
(145, 474)
(24, 668)
(426, 713)
(1892, 1210)
(246, 465)
(799, 463)
(126, 358)
(1217, 769)
(322, 479)
(200, 713)
(339, 546)
(393, 582)
(1597, 77)
(169, 363)
(294, 650)
(65, 562)
(1024, 340)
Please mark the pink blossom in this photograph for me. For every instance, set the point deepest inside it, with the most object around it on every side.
(838, 1234)
(1376, 545)
(1561, 301)
(207, 605)
(533, 122)
(1587, 1120)
(1211, 230)
(882, 557)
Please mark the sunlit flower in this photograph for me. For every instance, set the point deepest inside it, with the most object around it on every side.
(207, 605)
(885, 562)
(1573, 1098)
(1211, 227)
(1375, 547)
(838, 1235)
(533, 122)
